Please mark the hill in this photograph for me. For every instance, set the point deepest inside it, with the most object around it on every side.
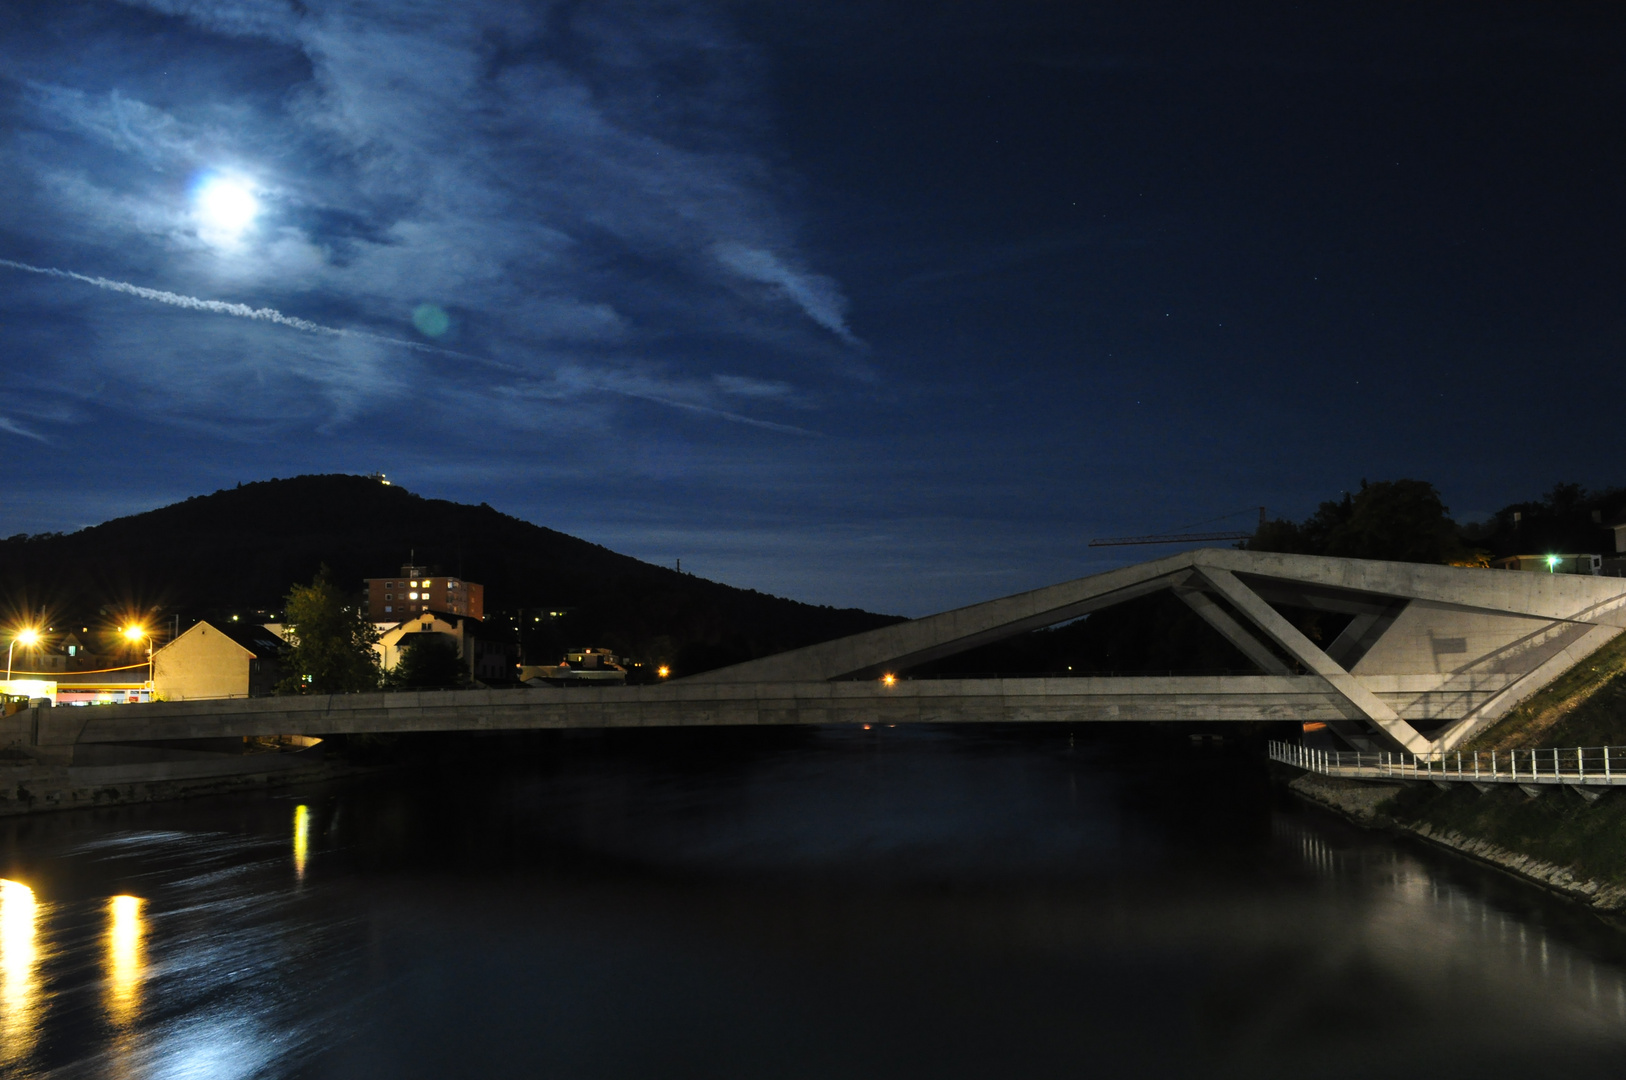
(241, 549)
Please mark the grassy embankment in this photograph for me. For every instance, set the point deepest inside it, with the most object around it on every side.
(1585, 707)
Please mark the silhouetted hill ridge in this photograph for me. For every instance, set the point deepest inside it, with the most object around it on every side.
(240, 549)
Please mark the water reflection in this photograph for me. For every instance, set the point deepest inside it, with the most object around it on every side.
(126, 931)
(19, 985)
(302, 839)
(1421, 920)
(960, 909)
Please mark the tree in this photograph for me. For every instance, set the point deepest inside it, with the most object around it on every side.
(330, 648)
(429, 662)
(1397, 520)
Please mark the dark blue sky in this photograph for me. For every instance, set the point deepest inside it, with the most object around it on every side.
(894, 305)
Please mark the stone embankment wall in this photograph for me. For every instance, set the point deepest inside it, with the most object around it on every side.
(32, 788)
(1363, 803)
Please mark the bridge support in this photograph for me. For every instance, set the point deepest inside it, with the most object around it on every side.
(1365, 704)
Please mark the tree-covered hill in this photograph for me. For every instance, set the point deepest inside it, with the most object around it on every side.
(241, 549)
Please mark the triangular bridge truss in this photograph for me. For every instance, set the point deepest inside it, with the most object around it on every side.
(1428, 655)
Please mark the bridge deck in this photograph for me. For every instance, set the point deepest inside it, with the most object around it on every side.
(1208, 698)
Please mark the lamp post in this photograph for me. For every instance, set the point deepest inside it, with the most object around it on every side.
(134, 634)
(27, 639)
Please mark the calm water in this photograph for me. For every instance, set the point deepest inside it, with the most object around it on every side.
(901, 903)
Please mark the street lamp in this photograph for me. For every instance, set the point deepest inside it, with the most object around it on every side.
(133, 634)
(27, 639)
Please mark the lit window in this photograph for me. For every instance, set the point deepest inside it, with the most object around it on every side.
(414, 584)
(427, 584)
(388, 608)
(412, 596)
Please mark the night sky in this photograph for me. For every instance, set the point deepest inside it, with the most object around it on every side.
(891, 305)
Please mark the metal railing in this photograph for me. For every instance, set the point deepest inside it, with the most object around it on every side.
(1586, 766)
(1071, 674)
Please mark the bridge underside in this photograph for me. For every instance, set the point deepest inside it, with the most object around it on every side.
(1426, 656)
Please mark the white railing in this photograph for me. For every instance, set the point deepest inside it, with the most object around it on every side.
(1582, 765)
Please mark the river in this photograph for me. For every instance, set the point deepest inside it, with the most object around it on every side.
(818, 903)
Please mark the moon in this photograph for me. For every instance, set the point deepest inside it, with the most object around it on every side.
(225, 206)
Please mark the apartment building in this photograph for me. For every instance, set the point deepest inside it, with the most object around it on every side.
(417, 589)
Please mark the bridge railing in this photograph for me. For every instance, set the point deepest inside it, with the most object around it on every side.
(1579, 765)
(1071, 674)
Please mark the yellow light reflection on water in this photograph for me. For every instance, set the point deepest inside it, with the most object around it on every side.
(126, 934)
(19, 956)
(302, 839)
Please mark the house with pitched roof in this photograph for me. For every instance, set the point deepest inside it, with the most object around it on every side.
(218, 660)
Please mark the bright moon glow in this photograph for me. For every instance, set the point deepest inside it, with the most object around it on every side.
(226, 206)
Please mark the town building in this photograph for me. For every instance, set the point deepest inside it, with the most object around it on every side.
(579, 666)
(1551, 564)
(417, 589)
(120, 686)
(212, 660)
(489, 659)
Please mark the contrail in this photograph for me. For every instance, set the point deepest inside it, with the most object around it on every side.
(788, 429)
(242, 311)
(272, 315)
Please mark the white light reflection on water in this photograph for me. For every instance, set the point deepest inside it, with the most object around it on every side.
(1429, 929)
(211, 1048)
(20, 1004)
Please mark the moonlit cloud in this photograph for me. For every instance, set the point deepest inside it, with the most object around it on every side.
(553, 183)
(12, 427)
(820, 297)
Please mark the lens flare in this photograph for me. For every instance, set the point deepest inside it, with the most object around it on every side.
(431, 320)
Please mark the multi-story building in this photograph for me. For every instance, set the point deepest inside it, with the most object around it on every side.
(417, 589)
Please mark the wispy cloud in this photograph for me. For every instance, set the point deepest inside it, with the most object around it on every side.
(9, 425)
(819, 296)
(576, 189)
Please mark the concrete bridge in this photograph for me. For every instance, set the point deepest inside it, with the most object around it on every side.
(1429, 655)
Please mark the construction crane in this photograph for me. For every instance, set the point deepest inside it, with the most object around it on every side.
(1179, 538)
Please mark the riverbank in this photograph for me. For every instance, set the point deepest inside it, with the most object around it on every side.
(31, 787)
(1557, 840)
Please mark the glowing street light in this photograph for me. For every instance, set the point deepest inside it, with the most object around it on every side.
(27, 638)
(663, 671)
(135, 633)
(888, 679)
(1552, 564)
